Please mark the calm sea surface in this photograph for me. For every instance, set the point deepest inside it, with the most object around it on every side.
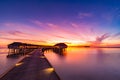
(6, 63)
(86, 63)
(77, 63)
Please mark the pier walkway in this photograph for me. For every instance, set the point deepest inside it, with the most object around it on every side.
(33, 67)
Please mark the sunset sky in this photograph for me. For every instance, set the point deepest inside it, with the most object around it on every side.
(75, 22)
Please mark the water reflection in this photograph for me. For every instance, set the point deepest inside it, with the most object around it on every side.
(60, 51)
(6, 63)
(87, 63)
(100, 55)
(48, 70)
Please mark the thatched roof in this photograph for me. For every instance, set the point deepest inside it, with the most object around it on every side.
(14, 45)
(61, 45)
(18, 44)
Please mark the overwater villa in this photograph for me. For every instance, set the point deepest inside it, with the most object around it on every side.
(16, 48)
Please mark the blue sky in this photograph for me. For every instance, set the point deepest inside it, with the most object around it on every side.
(58, 20)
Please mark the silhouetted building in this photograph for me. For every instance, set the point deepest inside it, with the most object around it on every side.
(17, 48)
(61, 45)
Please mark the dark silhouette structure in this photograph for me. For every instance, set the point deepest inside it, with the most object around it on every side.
(61, 45)
(60, 48)
(17, 48)
(60, 51)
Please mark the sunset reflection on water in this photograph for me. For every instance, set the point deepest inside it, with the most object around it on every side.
(87, 63)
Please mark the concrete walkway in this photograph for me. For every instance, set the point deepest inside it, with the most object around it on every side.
(33, 67)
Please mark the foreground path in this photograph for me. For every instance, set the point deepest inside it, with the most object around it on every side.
(33, 67)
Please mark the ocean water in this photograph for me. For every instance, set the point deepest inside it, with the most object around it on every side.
(6, 63)
(77, 63)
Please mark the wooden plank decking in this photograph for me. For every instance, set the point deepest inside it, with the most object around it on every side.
(33, 67)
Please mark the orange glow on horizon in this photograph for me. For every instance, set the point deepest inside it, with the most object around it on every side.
(5, 42)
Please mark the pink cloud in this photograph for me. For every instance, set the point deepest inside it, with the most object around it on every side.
(99, 40)
(18, 33)
(4, 33)
(37, 22)
(24, 40)
(74, 25)
(72, 32)
(55, 30)
(29, 31)
(51, 32)
(65, 32)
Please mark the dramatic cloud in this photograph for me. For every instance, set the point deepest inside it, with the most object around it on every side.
(99, 40)
(47, 32)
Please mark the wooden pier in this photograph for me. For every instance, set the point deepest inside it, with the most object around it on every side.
(34, 66)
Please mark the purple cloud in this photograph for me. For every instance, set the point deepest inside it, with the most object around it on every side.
(85, 15)
(19, 33)
(23, 40)
(117, 34)
(101, 38)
